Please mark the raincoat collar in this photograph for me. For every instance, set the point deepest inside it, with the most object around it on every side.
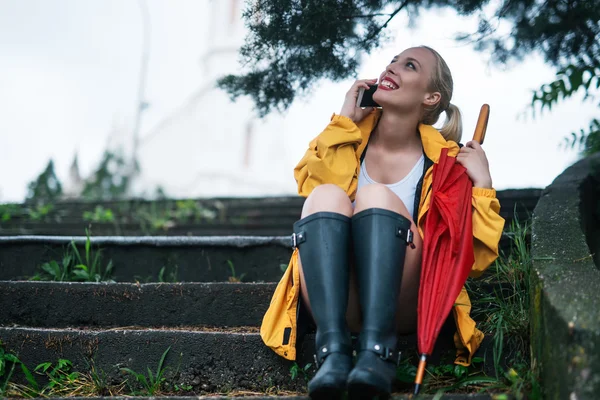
(432, 140)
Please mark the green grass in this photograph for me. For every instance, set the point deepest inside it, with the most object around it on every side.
(76, 266)
(153, 383)
(234, 277)
(505, 318)
(7, 211)
(39, 211)
(61, 380)
(167, 274)
(100, 214)
(296, 370)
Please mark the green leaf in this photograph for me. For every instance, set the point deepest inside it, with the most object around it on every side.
(162, 360)
(109, 269)
(476, 380)
(88, 245)
(82, 266)
(52, 268)
(82, 275)
(143, 380)
(67, 260)
(151, 377)
(460, 371)
(294, 373)
(43, 366)
(76, 252)
(29, 377)
(96, 263)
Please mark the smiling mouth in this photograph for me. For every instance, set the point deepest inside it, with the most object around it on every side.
(388, 84)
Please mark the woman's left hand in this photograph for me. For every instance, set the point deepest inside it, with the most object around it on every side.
(472, 157)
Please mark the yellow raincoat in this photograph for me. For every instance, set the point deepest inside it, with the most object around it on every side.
(334, 157)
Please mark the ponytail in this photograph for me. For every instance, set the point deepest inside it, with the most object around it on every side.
(452, 128)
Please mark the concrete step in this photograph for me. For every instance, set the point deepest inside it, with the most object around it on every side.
(256, 228)
(141, 258)
(68, 304)
(241, 216)
(453, 396)
(209, 361)
(198, 259)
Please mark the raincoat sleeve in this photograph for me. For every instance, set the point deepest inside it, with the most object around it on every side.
(331, 158)
(487, 229)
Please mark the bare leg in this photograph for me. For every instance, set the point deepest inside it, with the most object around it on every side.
(380, 196)
(330, 198)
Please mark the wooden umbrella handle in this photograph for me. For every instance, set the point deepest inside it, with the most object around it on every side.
(482, 122)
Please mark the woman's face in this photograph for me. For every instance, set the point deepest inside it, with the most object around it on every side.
(404, 85)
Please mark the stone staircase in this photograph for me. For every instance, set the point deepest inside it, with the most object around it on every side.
(208, 319)
(270, 216)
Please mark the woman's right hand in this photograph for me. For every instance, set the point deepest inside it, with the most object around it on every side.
(349, 109)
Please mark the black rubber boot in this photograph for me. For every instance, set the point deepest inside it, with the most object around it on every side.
(380, 239)
(324, 242)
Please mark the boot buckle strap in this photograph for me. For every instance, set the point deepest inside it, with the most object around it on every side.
(298, 238)
(385, 353)
(327, 349)
(407, 235)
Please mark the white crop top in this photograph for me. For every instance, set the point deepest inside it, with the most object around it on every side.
(405, 189)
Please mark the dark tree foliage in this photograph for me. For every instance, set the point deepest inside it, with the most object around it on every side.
(46, 187)
(570, 81)
(293, 43)
(110, 181)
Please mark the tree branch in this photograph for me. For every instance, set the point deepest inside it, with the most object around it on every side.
(382, 27)
(368, 15)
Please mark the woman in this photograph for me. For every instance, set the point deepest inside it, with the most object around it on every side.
(358, 243)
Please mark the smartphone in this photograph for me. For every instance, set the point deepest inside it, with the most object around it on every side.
(365, 97)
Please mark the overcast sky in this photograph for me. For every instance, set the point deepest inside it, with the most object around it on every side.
(69, 71)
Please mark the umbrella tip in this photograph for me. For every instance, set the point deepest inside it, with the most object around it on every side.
(417, 389)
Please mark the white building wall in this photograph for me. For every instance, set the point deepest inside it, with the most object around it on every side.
(202, 148)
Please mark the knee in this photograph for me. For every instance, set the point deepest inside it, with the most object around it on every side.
(374, 191)
(327, 197)
(378, 196)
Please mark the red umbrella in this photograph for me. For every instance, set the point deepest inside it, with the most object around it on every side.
(447, 247)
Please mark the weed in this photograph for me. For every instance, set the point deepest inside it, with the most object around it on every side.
(447, 376)
(186, 210)
(8, 363)
(153, 218)
(39, 211)
(153, 383)
(183, 387)
(99, 381)
(506, 312)
(506, 316)
(7, 211)
(171, 275)
(296, 370)
(100, 214)
(166, 274)
(234, 277)
(75, 268)
(62, 380)
(406, 371)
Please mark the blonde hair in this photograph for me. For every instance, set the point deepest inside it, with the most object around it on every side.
(441, 81)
